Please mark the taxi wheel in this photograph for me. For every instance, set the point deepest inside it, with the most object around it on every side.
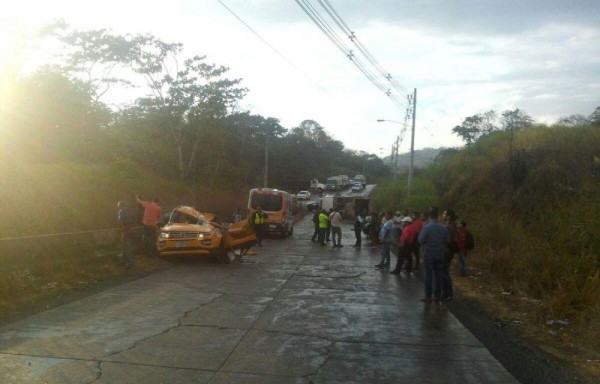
(226, 257)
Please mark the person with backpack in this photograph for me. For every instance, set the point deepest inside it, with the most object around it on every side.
(359, 221)
(465, 242)
(450, 218)
(126, 220)
(335, 223)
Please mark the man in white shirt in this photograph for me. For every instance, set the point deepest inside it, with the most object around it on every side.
(336, 228)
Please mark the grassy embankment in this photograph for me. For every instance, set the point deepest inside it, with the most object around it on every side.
(536, 265)
(63, 198)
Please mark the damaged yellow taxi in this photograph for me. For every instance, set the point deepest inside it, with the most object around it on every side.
(189, 232)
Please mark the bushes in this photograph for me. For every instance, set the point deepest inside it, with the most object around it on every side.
(538, 234)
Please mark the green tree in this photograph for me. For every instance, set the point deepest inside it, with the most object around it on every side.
(515, 120)
(93, 57)
(595, 117)
(52, 118)
(473, 127)
(573, 120)
(185, 99)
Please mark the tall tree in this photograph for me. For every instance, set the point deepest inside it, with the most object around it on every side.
(574, 120)
(515, 120)
(473, 127)
(595, 117)
(51, 117)
(185, 99)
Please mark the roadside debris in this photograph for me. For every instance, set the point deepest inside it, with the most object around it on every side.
(559, 322)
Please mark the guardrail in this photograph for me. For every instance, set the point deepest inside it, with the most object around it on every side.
(68, 243)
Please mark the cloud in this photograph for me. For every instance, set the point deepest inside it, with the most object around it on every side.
(482, 17)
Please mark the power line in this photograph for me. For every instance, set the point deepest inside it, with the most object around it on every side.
(344, 27)
(324, 26)
(269, 45)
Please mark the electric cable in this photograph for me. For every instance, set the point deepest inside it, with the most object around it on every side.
(344, 27)
(270, 46)
(322, 24)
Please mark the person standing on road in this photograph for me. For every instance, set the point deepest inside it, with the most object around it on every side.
(447, 289)
(418, 222)
(462, 235)
(358, 227)
(126, 220)
(395, 244)
(323, 223)
(315, 220)
(385, 236)
(328, 231)
(150, 219)
(406, 246)
(434, 238)
(335, 218)
(258, 223)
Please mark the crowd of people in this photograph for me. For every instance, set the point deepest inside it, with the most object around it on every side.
(402, 234)
(406, 235)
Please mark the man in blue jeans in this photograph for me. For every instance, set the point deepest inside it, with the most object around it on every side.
(434, 238)
(385, 236)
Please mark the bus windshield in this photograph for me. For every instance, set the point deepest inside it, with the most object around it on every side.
(267, 202)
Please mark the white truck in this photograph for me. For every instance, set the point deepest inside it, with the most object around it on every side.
(361, 179)
(316, 186)
(334, 183)
(345, 181)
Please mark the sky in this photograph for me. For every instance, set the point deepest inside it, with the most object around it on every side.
(463, 57)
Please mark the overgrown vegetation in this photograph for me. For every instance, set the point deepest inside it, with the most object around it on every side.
(530, 196)
(535, 215)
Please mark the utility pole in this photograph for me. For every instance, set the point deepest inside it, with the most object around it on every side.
(396, 154)
(412, 145)
(266, 174)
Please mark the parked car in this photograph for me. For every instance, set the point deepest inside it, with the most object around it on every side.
(303, 195)
(189, 232)
(357, 186)
(312, 205)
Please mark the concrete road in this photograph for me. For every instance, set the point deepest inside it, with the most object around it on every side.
(295, 312)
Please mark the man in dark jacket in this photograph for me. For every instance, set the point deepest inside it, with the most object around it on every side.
(315, 220)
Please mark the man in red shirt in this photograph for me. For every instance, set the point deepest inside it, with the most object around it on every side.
(418, 222)
(406, 245)
(150, 219)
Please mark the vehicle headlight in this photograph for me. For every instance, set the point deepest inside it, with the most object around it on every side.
(164, 235)
(204, 235)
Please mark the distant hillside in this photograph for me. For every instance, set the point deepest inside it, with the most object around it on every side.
(423, 158)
